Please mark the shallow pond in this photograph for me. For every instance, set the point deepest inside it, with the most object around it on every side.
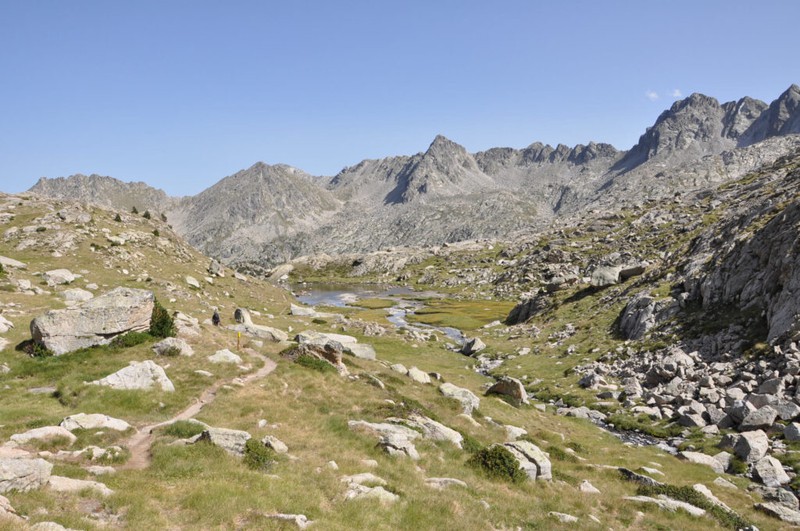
(406, 302)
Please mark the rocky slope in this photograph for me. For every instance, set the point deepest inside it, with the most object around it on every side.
(267, 214)
(383, 427)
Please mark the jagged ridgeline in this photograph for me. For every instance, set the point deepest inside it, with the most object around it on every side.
(266, 215)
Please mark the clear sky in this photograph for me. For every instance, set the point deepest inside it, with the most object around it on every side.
(180, 94)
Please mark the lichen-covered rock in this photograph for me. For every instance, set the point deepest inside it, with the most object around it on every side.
(531, 459)
(45, 433)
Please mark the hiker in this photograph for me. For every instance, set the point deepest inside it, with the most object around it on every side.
(215, 318)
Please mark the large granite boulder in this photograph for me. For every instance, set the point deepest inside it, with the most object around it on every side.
(96, 322)
(143, 375)
(173, 345)
(23, 474)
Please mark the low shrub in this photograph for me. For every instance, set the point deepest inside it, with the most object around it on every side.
(317, 364)
(183, 429)
(131, 339)
(499, 463)
(161, 322)
(257, 456)
(118, 218)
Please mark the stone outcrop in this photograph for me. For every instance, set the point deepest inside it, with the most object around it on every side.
(96, 322)
(143, 375)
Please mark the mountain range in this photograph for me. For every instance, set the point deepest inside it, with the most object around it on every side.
(268, 214)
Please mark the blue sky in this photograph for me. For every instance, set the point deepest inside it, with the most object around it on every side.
(182, 93)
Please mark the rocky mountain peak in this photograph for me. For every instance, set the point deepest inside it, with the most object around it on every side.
(781, 118)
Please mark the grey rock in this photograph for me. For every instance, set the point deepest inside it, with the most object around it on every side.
(418, 375)
(564, 518)
(96, 322)
(779, 495)
(394, 439)
(23, 474)
(510, 387)
(760, 419)
(434, 430)
(143, 375)
(232, 441)
(605, 276)
(330, 352)
(668, 504)
(781, 512)
(444, 483)
(225, 356)
(531, 459)
(76, 295)
(94, 421)
(45, 433)
(472, 346)
(642, 313)
(703, 459)
(751, 446)
(792, 432)
(770, 472)
(57, 277)
(171, 345)
(270, 441)
(630, 475)
(469, 401)
(62, 484)
(260, 331)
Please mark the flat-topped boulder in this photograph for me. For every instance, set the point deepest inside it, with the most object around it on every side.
(224, 356)
(143, 375)
(510, 387)
(95, 322)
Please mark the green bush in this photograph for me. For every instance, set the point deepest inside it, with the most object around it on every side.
(146, 214)
(499, 463)
(39, 351)
(183, 429)
(470, 444)
(161, 322)
(41, 229)
(118, 218)
(319, 321)
(164, 218)
(317, 364)
(2, 270)
(257, 456)
(156, 233)
(131, 339)
(738, 466)
(134, 210)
